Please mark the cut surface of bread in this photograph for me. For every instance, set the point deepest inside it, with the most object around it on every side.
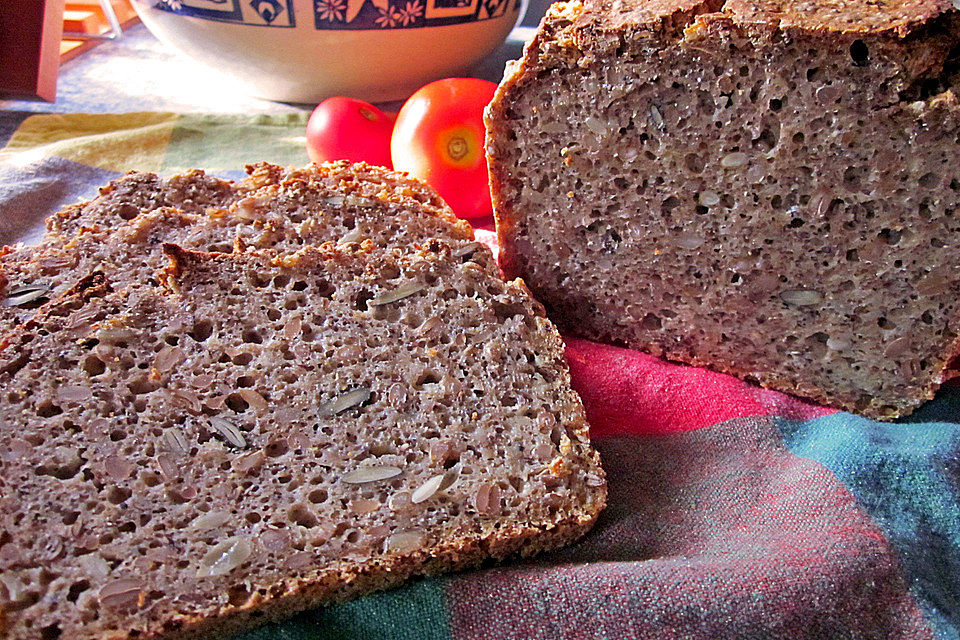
(254, 434)
(136, 193)
(274, 208)
(770, 189)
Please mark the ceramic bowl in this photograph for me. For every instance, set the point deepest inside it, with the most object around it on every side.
(308, 50)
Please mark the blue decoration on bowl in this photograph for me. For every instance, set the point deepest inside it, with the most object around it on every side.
(307, 50)
(262, 13)
(343, 14)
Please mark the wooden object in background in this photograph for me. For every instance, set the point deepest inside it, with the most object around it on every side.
(80, 21)
(30, 32)
(94, 23)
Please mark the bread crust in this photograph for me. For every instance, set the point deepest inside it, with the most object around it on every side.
(345, 582)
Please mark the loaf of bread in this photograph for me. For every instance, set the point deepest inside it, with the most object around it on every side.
(273, 209)
(244, 435)
(770, 188)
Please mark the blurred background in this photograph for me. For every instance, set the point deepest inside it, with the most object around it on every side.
(135, 72)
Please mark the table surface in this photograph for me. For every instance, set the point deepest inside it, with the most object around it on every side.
(138, 73)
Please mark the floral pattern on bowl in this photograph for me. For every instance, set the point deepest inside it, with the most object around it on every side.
(265, 13)
(344, 14)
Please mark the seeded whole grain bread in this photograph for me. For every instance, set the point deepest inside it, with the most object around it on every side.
(274, 208)
(250, 434)
(766, 187)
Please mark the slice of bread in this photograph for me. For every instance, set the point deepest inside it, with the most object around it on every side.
(254, 434)
(136, 193)
(197, 193)
(275, 208)
(768, 188)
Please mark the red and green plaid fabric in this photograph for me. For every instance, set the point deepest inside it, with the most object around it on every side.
(734, 512)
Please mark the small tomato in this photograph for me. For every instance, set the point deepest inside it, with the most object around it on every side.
(348, 129)
(439, 137)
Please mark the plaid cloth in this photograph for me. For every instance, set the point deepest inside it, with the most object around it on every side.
(734, 512)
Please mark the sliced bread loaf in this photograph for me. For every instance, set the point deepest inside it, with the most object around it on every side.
(258, 434)
(768, 188)
(275, 208)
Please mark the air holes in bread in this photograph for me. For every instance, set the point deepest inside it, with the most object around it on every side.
(859, 53)
(202, 329)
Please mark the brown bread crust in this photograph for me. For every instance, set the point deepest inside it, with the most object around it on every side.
(599, 186)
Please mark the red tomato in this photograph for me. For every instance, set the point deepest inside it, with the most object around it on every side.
(348, 129)
(438, 138)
